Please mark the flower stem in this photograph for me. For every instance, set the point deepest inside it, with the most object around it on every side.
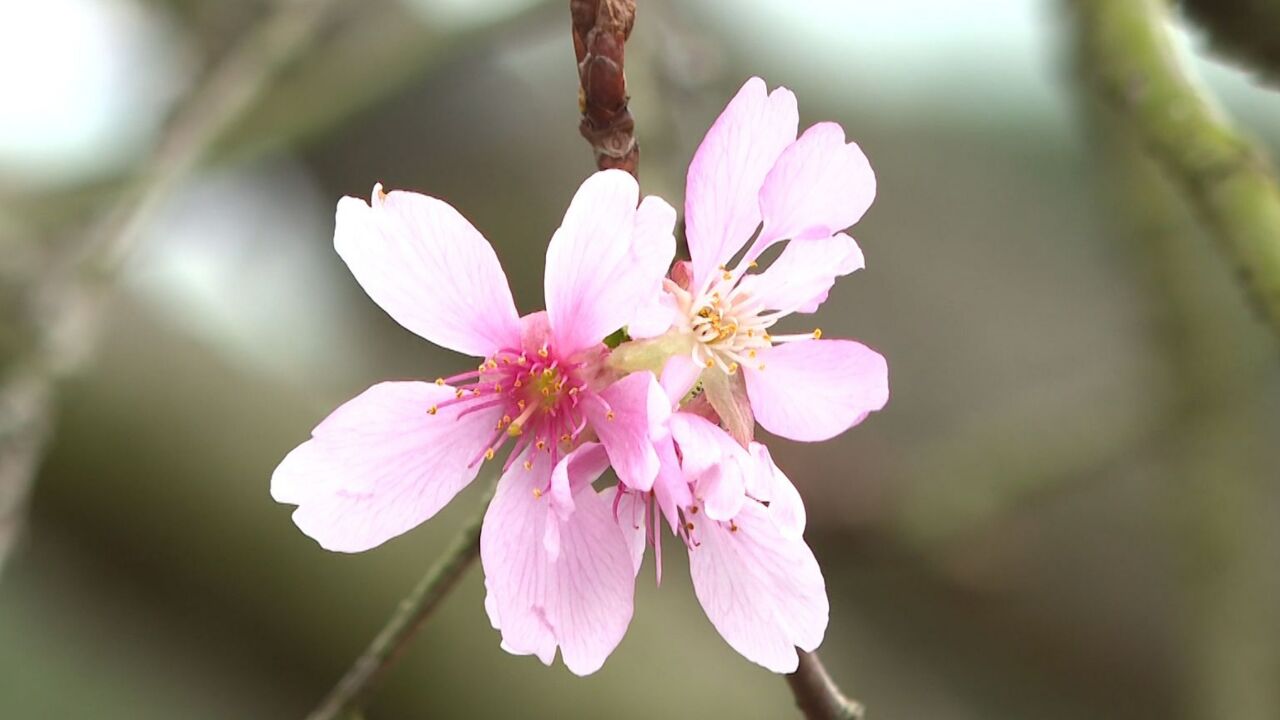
(817, 695)
(346, 698)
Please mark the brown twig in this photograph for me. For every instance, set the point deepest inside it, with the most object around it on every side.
(600, 32)
(816, 693)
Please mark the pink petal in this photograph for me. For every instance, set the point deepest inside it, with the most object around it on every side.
(583, 466)
(722, 207)
(429, 269)
(816, 389)
(713, 463)
(762, 590)
(380, 465)
(671, 489)
(606, 260)
(801, 277)
(786, 508)
(655, 247)
(634, 412)
(581, 601)
(818, 187)
(633, 518)
(679, 376)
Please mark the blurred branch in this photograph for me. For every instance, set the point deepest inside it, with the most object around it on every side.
(1125, 50)
(600, 32)
(1218, 466)
(348, 696)
(64, 304)
(816, 693)
(1246, 30)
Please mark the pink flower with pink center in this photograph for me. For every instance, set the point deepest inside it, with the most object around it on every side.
(753, 184)
(557, 567)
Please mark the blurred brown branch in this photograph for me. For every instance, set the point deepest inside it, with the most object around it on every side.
(1130, 63)
(65, 303)
(354, 687)
(600, 32)
(1245, 30)
(817, 695)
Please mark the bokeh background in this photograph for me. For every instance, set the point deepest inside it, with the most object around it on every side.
(1068, 509)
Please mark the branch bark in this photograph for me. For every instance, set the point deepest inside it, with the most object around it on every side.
(349, 695)
(1127, 58)
(600, 32)
(817, 695)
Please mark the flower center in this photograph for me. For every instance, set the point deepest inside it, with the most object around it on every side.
(728, 325)
(539, 396)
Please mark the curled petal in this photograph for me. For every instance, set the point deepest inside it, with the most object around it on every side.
(381, 464)
(786, 508)
(816, 389)
(634, 411)
(713, 463)
(762, 590)
(429, 269)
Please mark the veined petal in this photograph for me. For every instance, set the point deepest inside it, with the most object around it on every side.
(816, 389)
(713, 463)
(606, 260)
(818, 187)
(763, 591)
(801, 277)
(429, 269)
(786, 508)
(633, 518)
(581, 601)
(654, 243)
(679, 376)
(634, 411)
(583, 466)
(381, 464)
(722, 191)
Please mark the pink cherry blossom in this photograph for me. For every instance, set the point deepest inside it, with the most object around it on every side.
(742, 522)
(752, 177)
(558, 568)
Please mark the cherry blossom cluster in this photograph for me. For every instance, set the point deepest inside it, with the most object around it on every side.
(670, 403)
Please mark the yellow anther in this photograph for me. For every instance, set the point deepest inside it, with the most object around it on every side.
(751, 354)
(497, 387)
(458, 393)
(546, 392)
(609, 416)
(488, 454)
(751, 332)
(505, 419)
(761, 366)
(733, 368)
(817, 333)
(566, 437)
(433, 410)
(541, 445)
(753, 264)
(693, 510)
(733, 527)
(710, 363)
(522, 359)
(492, 365)
(528, 464)
(440, 381)
(515, 430)
(481, 367)
(542, 351)
(573, 391)
(548, 373)
(768, 337)
(688, 526)
(727, 275)
(537, 492)
(520, 404)
(518, 383)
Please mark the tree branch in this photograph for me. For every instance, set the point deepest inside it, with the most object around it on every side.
(600, 32)
(348, 696)
(1127, 58)
(1245, 30)
(816, 693)
(65, 304)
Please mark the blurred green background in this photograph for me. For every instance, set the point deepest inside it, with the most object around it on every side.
(1068, 509)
